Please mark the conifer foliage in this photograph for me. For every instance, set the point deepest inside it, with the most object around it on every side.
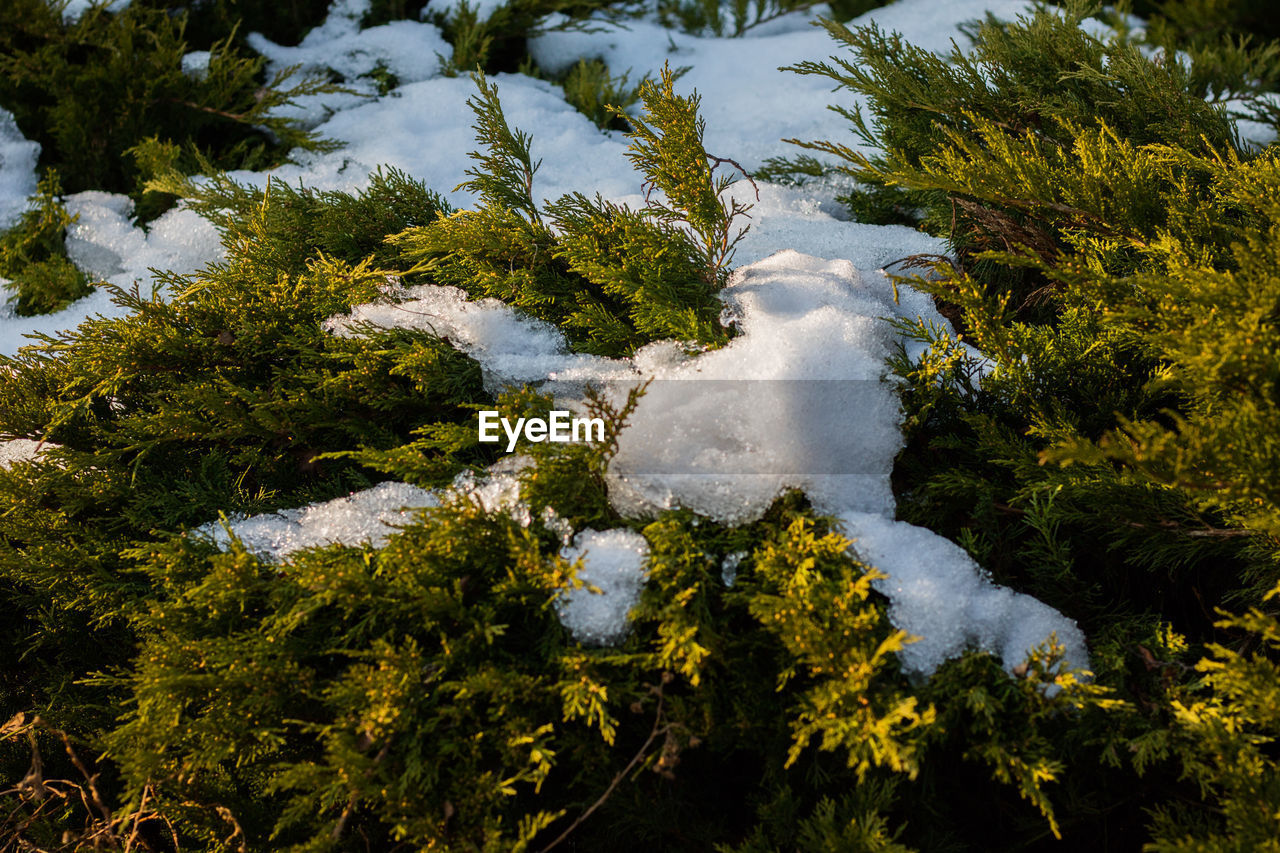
(1111, 451)
(91, 90)
(612, 278)
(1116, 267)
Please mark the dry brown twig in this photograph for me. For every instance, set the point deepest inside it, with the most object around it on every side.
(36, 796)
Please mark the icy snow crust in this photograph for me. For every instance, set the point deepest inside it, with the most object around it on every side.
(721, 432)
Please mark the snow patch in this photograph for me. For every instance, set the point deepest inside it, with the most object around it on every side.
(512, 348)
(363, 517)
(410, 51)
(106, 245)
(196, 64)
(369, 516)
(18, 157)
(938, 593)
(612, 562)
(21, 450)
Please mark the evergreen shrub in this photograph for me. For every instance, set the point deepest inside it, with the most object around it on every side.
(1114, 257)
(92, 90)
(1112, 453)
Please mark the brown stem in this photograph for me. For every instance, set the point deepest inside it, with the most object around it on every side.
(735, 164)
(617, 780)
(239, 117)
(89, 778)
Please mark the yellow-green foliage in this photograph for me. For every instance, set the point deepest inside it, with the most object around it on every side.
(821, 617)
(89, 91)
(33, 257)
(1115, 263)
(613, 278)
(1112, 452)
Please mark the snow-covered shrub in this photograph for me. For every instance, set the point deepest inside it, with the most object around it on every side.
(213, 642)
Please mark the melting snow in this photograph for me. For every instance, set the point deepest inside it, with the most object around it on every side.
(612, 562)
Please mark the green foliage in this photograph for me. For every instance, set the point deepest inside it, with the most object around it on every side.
(1109, 449)
(821, 618)
(1093, 244)
(600, 96)
(1041, 76)
(33, 256)
(91, 90)
(1192, 23)
(282, 21)
(612, 278)
(1224, 733)
(216, 395)
(285, 228)
(476, 703)
(498, 42)
(735, 18)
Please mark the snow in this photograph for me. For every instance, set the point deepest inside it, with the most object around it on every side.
(21, 450)
(725, 433)
(196, 64)
(752, 107)
(363, 517)
(1251, 130)
(798, 399)
(17, 170)
(106, 245)
(512, 348)
(425, 130)
(729, 566)
(76, 8)
(411, 51)
(939, 594)
(613, 563)
(369, 516)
